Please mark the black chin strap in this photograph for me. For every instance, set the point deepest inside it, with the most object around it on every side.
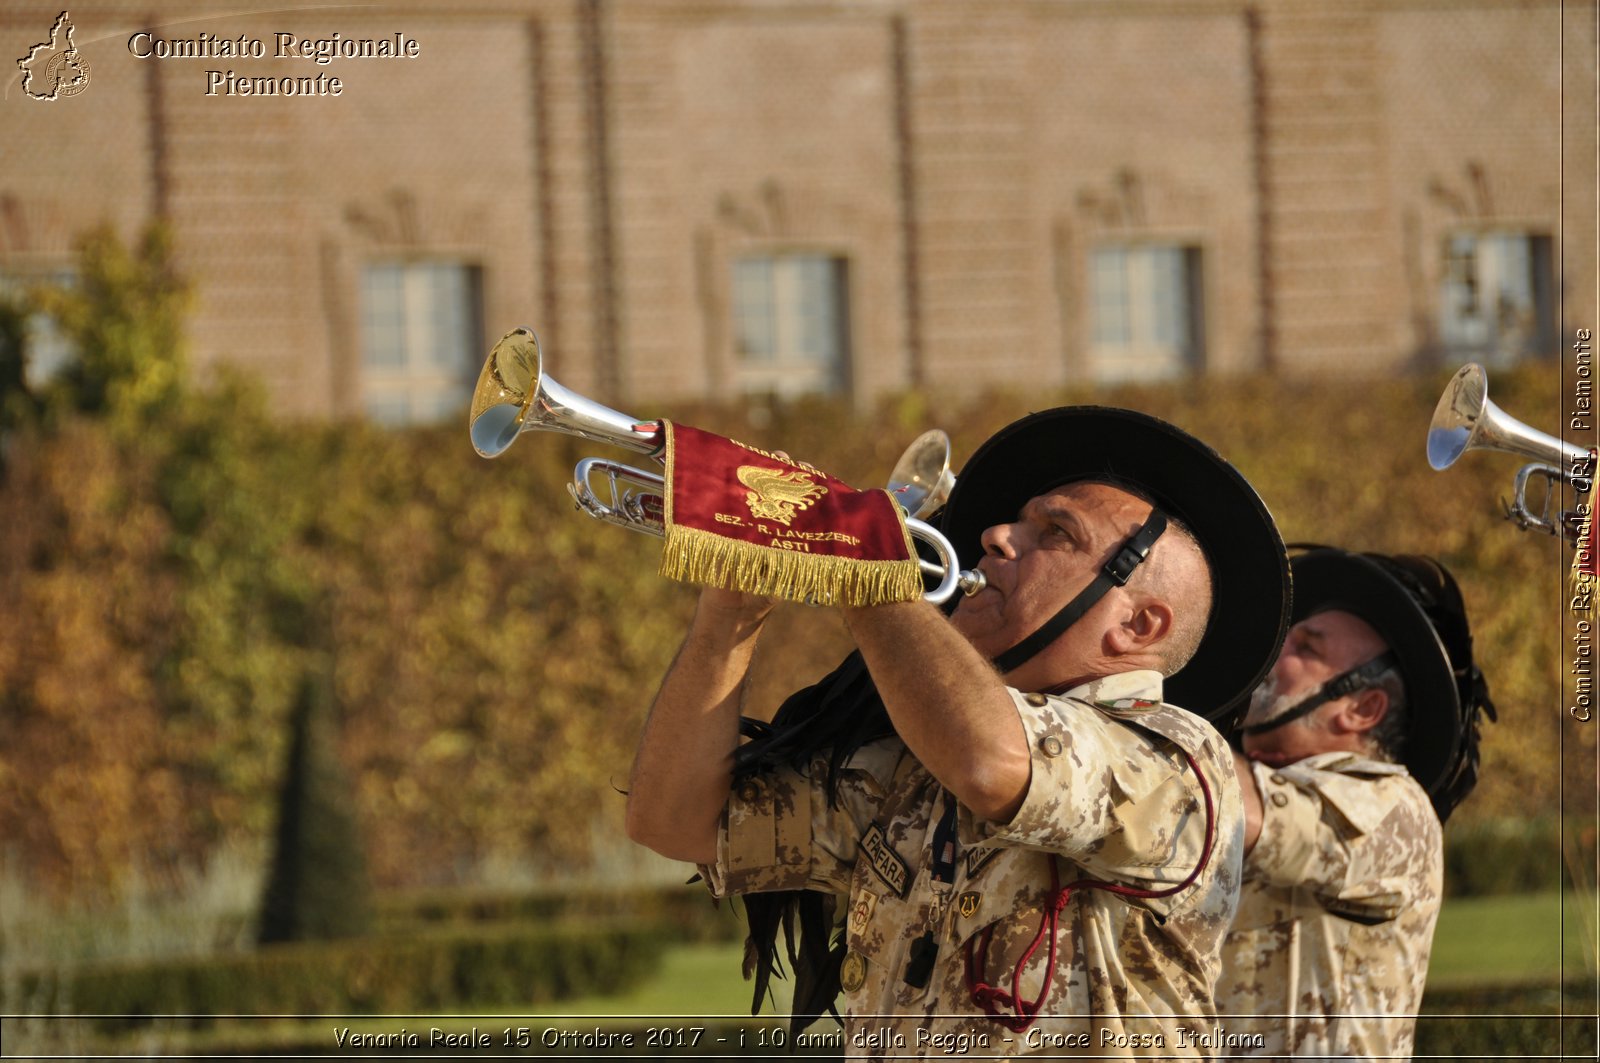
(1115, 572)
(1358, 678)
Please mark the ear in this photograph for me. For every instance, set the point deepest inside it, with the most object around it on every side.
(1364, 712)
(1147, 622)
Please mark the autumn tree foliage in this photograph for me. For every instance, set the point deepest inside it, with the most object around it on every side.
(496, 651)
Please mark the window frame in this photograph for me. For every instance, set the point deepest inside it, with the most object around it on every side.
(1135, 351)
(1498, 345)
(788, 370)
(423, 385)
(19, 280)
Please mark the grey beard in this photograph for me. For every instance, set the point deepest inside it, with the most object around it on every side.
(1266, 704)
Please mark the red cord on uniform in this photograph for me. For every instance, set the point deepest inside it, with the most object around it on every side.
(1026, 1012)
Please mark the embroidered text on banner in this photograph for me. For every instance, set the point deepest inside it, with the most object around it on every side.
(747, 520)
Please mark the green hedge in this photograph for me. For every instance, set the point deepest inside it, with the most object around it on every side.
(496, 653)
(1480, 1023)
(1500, 856)
(681, 912)
(419, 972)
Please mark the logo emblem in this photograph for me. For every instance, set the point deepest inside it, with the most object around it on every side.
(776, 495)
(967, 903)
(852, 972)
(861, 912)
(55, 68)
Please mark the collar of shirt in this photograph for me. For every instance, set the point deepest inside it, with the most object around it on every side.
(1125, 690)
(1345, 763)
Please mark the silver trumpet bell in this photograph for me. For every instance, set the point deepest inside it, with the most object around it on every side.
(1465, 419)
(921, 480)
(513, 396)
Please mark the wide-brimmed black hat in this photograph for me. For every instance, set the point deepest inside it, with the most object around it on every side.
(1415, 604)
(1187, 480)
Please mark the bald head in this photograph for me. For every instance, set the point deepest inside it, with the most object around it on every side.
(1059, 543)
(1177, 572)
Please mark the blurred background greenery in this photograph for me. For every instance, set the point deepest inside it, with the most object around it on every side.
(181, 573)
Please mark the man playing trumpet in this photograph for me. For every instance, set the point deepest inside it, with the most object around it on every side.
(1355, 750)
(1027, 846)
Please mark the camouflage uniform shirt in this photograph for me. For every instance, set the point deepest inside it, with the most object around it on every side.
(1329, 951)
(1110, 798)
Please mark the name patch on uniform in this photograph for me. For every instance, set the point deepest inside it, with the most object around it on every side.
(894, 871)
(979, 856)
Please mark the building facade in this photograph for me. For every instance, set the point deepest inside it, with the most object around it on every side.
(716, 198)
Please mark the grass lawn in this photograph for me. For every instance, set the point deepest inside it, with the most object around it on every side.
(1479, 941)
(1515, 938)
(700, 980)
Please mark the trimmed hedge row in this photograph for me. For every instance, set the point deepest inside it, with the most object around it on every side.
(683, 913)
(1499, 856)
(167, 580)
(417, 973)
(1526, 1020)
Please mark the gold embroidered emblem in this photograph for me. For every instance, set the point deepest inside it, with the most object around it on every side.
(967, 903)
(776, 495)
(861, 912)
(852, 972)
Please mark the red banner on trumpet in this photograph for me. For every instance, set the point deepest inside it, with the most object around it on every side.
(748, 520)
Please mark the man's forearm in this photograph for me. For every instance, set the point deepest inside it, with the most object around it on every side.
(948, 705)
(683, 768)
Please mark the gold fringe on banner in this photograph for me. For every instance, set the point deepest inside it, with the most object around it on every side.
(695, 556)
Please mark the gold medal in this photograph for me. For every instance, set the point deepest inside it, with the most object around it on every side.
(852, 972)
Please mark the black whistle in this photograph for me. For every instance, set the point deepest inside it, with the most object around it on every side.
(920, 966)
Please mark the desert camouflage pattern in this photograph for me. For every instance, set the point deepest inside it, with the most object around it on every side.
(1110, 798)
(1329, 951)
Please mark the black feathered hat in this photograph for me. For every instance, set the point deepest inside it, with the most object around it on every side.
(1185, 479)
(1414, 603)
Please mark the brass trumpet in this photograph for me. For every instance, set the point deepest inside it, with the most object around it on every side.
(1465, 419)
(922, 480)
(514, 395)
